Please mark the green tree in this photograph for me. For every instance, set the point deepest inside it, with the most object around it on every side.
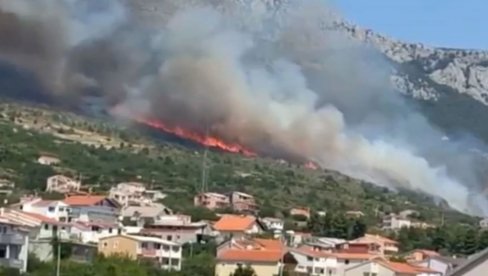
(244, 271)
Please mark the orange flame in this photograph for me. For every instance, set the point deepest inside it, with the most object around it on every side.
(196, 137)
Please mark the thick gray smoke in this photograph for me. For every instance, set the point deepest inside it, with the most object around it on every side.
(266, 74)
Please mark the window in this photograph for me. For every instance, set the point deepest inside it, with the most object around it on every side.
(169, 237)
(3, 251)
(346, 262)
(157, 246)
(62, 219)
(309, 258)
(175, 262)
(165, 261)
(61, 209)
(144, 245)
(110, 230)
(50, 209)
(176, 248)
(178, 237)
(46, 226)
(165, 247)
(105, 244)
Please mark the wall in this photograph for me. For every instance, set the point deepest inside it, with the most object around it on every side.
(435, 265)
(118, 245)
(227, 268)
(479, 270)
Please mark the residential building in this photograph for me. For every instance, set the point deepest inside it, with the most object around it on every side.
(326, 242)
(274, 224)
(395, 222)
(55, 209)
(386, 246)
(154, 195)
(382, 267)
(211, 201)
(92, 208)
(265, 257)
(178, 228)
(407, 214)
(300, 211)
(242, 202)
(166, 254)
(14, 245)
(439, 263)
(48, 159)
(62, 184)
(295, 238)
(313, 261)
(238, 225)
(129, 193)
(92, 232)
(142, 215)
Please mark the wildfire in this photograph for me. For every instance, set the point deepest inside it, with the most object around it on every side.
(196, 137)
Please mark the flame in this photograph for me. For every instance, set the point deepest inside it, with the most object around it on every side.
(209, 141)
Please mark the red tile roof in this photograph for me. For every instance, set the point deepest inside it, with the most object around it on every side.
(426, 252)
(251, 255)
(234, 223)
(405, 268)
(81, 200)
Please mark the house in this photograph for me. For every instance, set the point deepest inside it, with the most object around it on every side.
(242, 202)
(141, 215)
(55, 209)
(14, 245)
(274, 224)
(439, 263)
(474, 265)
(395, 222)
(295, 238)
(418, 255)
(166, 254)
(211, 201)
(62, 184)
(313, 261)
(382, 267)
(92, 208)
(264, 256)
(238, 225)
(177, 228)
(484, 223)
(48, 159)
(300, 211)
(326, 242)
(386, 246)
(243, 243)
(406, 214)
(92, 232)
(129, 193)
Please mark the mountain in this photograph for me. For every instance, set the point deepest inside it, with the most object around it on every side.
(451, 85)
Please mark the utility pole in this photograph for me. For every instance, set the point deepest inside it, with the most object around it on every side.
(58, 264)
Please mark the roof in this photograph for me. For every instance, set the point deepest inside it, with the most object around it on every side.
(142, 239)
(234, 223)
(472, 262)
(426, 252)
(404, 268)
(144, 211)
(251, 255)
(41, 218)
(309, 251)
(82, 200)
(378, 238)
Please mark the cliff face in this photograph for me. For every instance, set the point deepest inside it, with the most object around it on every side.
(423, 71)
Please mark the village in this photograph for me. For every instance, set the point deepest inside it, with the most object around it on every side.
(129, 220)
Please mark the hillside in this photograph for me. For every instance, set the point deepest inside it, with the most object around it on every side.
(114, 155)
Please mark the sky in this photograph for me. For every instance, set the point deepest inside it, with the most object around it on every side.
(443, 23)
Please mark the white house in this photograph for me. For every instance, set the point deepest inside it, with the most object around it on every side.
(62, 184)
(317, 262)
(395, 222)
(55, 209)
(48, 160)
(129, 193)
(275, 224)
(93, 232)
(440, 263)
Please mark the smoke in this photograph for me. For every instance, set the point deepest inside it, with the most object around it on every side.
(269, 75)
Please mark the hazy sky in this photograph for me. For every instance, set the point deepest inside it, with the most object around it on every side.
(446, 23)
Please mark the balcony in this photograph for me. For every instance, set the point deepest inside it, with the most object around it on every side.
(16, 239)
(12, 263)
(148, 252)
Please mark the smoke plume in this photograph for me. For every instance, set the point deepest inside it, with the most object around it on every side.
(269, 75)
